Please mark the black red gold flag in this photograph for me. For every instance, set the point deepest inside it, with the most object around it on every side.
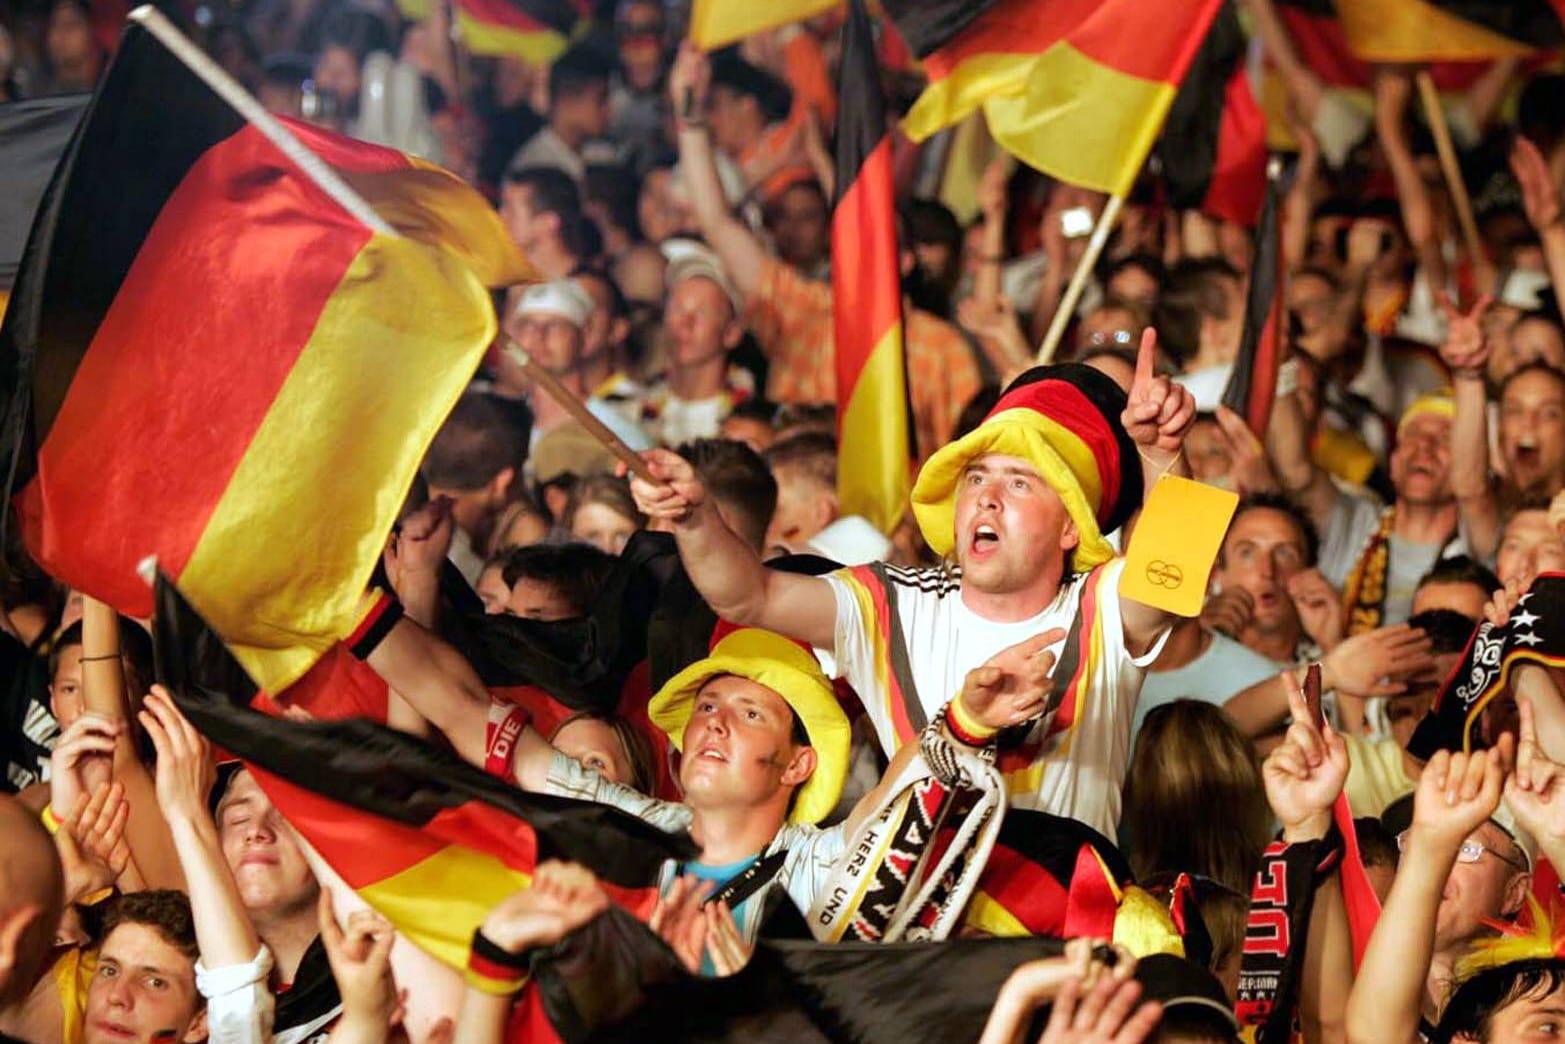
(1450, 30)
(209, 357)
(534, 30)
(1213, 147)
(1252, 386)
(873, 425)
(1076, 88)
(428, 840)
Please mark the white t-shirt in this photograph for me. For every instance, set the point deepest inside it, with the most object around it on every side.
(905, 642)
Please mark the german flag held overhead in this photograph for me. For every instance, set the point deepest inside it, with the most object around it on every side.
(1076, 88)
(536, 31)
(873, 472)
(214, 357)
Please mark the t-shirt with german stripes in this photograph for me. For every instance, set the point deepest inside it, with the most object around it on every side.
(905, 641)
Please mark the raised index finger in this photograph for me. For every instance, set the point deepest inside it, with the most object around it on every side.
(1145, 357)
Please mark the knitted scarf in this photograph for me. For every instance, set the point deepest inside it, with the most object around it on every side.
(1365, 595)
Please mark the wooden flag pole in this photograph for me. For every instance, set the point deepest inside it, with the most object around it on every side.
(1078, 283)
(572, 404)
(231, 91)
(1435, 116)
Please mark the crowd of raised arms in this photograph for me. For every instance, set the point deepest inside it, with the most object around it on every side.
(819, 685)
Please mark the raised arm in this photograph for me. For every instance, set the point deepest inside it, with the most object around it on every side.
(104, 695)
(742, 254)
(1393, 88)
(438, 683)
(1303, 777)
(1456, 793)
(1465, 351)
(1541, 199)
(727, 571)
(1157, 414)
(1288, 445)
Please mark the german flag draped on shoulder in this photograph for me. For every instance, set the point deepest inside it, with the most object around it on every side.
(1076, 88)
(230, 350)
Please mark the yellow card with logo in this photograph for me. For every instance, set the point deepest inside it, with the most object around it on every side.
(1175, 543)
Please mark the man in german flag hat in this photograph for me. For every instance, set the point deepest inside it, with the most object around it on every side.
(1020, 510)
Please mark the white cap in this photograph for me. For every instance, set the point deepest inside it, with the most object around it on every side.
(1521, 289)
(688, 259)
(563, 297)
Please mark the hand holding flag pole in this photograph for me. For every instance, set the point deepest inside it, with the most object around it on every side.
(572, 404)
(1435, 116)
(1078, 283)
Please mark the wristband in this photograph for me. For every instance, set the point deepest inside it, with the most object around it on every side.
(1287, 377)
(50, 821)
(493, 969)
(94, 659)
(966, 730)
(506, 722)
(94, 898)
(382, 616)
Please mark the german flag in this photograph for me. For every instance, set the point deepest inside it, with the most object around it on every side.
(1252, 386)
(717, 23)
(429, 841)
(537, 31)
(873, 427)
(1213, 147)
(210, 356)
(1075, 88)
(1450, 30)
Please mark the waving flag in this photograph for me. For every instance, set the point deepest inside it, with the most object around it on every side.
(1076, 88)
(210, 356)
(428, 840)
(1449, 30)
(536, 31)
(1252, 386)
(873, 422)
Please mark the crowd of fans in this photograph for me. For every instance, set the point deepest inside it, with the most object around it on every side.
(676, 207)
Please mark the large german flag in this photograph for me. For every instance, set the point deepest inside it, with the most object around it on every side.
(210, 359)
(1450, 30)
(873, 430)
(1076, 88)
(534, 30)
(429, 841)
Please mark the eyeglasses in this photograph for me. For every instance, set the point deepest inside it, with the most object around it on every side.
(1470, 852)
(1109, 338)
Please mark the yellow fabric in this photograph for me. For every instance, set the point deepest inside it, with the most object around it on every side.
(1436, 404)
(792, 673)
(1377, 776)
(73, 973)
(988, 916)
(1060, 111)
(1414, 31)
(1061, 458)
(537, 48)
(1143, 925)
(438, 902)
(266, 571)
(872, 476)
(435, 207)
(1344, 455)
(715, 23)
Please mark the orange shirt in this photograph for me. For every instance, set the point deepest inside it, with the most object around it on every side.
(790, 316)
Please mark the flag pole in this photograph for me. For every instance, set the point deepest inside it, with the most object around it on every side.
(1078, 283)
(571, 403)
(1435, 116)
(230, 90)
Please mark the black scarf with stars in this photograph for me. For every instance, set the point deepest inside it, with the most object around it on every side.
(1535, 633)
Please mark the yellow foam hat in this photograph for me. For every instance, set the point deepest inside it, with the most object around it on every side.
(789, 670)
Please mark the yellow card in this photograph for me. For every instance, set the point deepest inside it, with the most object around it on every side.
(1175, 543)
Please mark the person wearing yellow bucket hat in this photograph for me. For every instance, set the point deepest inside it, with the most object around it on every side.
(1376, 554)
(1020, 507)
